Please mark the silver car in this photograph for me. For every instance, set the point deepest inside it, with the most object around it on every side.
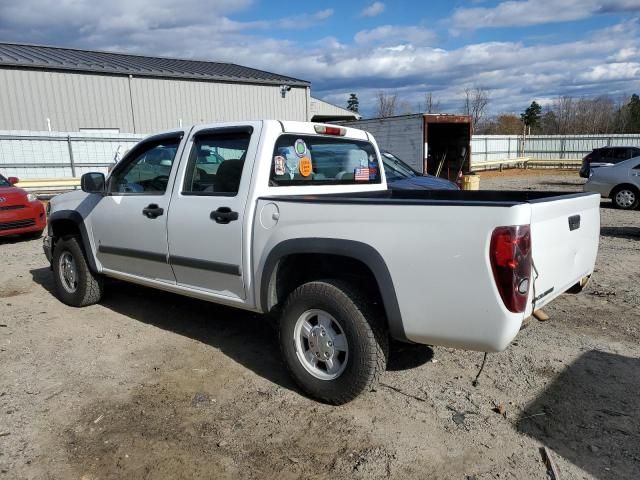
(620, 183)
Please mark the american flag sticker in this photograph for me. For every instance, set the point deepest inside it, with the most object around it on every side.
(361, 175)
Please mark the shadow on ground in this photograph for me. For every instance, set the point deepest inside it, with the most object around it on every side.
(620, 232)
(590, 415)
(248, 338)
(567, 183)
(11, 239)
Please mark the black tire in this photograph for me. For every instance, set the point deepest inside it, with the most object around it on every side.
(88, 285)
(367, 339)
(618, 202)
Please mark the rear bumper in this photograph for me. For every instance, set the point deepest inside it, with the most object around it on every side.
(30, 219)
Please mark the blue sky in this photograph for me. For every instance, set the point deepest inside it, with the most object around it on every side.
(519, 50)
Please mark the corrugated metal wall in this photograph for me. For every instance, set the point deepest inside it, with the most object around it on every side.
(322, 108)
(402, 136)
(160, 104)
(74, 100)
(71, 101)
(486, 148)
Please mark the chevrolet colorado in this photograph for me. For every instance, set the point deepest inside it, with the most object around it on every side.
(295, 219)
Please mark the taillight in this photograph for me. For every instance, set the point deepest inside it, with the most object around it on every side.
(325, 130)
(510, 255)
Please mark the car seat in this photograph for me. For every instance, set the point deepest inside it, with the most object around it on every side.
(228, 176)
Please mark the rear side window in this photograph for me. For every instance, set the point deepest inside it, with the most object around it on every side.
(215, 164)
(320, 160)
(619, 154)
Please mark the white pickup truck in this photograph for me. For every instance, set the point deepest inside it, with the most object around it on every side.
(295, 219)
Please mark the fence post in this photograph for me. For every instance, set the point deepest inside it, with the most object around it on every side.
(486, 149)
(73, 165)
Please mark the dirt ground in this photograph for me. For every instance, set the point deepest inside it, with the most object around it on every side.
(149, 385)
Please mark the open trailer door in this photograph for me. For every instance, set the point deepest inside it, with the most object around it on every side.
(447, 140)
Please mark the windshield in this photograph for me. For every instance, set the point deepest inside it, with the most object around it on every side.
(4, 182)
(395, 168)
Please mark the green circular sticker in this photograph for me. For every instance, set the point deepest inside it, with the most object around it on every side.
(300, 147)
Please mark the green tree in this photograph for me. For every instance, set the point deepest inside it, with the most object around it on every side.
(352, 103)
(531, 116)
(633, 112)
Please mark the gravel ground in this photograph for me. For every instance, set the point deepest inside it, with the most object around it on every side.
(150, 385)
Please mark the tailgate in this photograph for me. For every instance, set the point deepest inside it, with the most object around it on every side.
(565, 231)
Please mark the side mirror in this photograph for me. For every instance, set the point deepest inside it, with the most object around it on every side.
(93, 182)
(13, 180)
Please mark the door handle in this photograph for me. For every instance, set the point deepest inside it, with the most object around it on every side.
(152, 211)
(224, 215)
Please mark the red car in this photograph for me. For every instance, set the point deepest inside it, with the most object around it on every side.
(21, 213)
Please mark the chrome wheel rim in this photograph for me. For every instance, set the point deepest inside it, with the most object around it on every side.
(321, 344)
(68, 272)
(625, 198)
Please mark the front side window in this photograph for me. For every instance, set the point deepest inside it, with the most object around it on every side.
(320, 160)
(148, 170)
(215, 163)
(4, 182)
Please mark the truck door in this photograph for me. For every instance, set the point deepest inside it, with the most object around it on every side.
(205, 228)
(129, 224)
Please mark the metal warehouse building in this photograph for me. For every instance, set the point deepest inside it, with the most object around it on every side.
(63, 89)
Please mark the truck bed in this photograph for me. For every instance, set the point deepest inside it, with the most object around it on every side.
(438, 258)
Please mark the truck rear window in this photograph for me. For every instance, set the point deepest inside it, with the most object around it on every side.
(320, 160)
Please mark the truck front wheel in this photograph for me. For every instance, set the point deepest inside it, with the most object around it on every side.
(76, 284)
(332, 341)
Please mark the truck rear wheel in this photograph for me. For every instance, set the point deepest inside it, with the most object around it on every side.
(333, 343)
(76, 284)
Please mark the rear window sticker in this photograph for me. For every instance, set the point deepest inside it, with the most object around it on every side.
(278, 164)
(361, 174)
(292, 163)
(305, 166)
(300, 147)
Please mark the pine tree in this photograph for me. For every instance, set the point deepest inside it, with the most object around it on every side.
(352, 103)
(633, 108)
(531, 116)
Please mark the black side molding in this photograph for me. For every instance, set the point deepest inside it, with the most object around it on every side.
(133, 253)
(220, 267)
(227, 268)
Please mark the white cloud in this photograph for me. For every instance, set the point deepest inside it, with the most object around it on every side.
(373, 10)
(392, 34)
(405, 59)
(625, 54)
(534, 12)
(612, 71)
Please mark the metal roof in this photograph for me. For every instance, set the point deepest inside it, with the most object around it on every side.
(60, 58)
